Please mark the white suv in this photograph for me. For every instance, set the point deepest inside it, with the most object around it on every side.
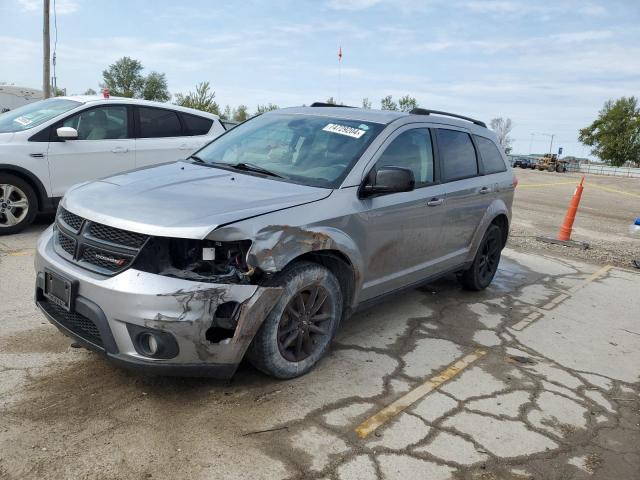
(48, 146)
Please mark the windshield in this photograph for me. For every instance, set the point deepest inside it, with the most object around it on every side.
(311, 150)
(34, 114)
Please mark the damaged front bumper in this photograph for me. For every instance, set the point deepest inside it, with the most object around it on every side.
(111, 314)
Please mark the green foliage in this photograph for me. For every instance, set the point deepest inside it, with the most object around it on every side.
(615, 134)
(407, 103)
(201, 99)
(241, 113)
(58, 92)
(387, 103)
(124, 78)
(266, 108)
(90, 91)
(331, 101)
(155, 87)
(226, 115)
(366, 103)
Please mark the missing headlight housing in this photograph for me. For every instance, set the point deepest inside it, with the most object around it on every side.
(197, 260)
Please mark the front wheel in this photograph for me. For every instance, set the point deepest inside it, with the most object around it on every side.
(18, 204)
(299, 329)
(485, 264)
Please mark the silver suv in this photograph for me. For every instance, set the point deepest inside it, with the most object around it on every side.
(265, 239)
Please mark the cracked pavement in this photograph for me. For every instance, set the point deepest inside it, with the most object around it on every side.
(554, 396)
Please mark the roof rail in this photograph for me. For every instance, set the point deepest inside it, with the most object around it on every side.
(324, 104)
(424, 111)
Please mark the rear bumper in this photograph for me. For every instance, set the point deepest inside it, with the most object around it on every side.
(108, 311)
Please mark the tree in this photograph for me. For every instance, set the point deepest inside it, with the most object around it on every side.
(615, 134)
(387, 103)
(124, 78)
(266, 108)
(407, 103)
(241, 113)
(226, 115)
(331, 101)
(502, 127)
(201, 99)
(90, 91)
(366, 103)
(155, 87)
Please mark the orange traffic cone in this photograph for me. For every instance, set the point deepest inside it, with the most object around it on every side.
(565, 230)
(564, 236)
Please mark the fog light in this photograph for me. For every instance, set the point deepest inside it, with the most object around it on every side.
(149, 343)
(153, 343)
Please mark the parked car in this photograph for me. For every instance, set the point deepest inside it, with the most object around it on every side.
(524, 162)
(47, 146)
(265, 239)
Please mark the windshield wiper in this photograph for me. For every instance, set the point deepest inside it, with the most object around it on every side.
(196, 158)
(250, 167)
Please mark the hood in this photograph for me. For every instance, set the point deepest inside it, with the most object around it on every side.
(182, 199)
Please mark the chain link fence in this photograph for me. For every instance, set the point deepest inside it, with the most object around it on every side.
(603, 170)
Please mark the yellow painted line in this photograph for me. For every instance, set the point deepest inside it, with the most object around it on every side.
(555, 301)
(21, 253)
(528, 320)
(590, 278)
(613, 190)
(525, 185)
(371, 424)
(536, 315)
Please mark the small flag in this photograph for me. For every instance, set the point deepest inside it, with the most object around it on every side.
(340, 53)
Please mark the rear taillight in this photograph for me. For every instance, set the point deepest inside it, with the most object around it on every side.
(515, 181)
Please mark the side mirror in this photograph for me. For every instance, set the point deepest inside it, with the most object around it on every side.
(67, 133)
(389, 180)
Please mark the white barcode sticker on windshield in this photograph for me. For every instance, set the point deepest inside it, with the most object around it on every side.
(344, 130)
(23, 121)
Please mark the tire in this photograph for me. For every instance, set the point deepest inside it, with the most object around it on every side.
(287, 346)
(485, 264)
(19, 208)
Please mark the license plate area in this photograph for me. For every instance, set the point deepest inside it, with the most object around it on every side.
(59, 290)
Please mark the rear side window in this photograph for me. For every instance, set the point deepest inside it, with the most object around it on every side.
(157, 122)
(457, 154)
(195, 125)
(491, 158)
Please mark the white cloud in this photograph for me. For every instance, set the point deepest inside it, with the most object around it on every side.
(63, 7)
(352, 5)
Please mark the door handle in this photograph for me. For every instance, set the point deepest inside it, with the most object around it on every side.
(184, 146)
(485, 190)
(119, 150)
(434, 202)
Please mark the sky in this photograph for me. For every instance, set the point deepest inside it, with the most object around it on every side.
(547, 65)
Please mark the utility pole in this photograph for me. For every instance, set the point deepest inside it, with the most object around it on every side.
(46, 52)
(552, 137)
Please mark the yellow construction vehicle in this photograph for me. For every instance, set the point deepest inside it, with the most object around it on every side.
(551, 163)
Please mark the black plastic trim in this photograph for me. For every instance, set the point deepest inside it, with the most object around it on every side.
(86, 308)
(209, 370)
(45, 203)
(424, 111)
(168, 347)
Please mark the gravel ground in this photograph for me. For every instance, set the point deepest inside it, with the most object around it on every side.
(609, 206)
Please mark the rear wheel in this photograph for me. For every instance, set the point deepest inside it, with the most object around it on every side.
(18, 204)
(299, 329)
(484, 266)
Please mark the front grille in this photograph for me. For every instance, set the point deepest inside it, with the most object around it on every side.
(117, 236)
(78, 324)
(94, 246)
(71, 219)
(68, 244)
(109, 261)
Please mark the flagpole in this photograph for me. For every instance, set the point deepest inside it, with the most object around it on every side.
(339, 74)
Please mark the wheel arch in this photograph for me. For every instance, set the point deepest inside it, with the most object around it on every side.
(35, 183)
(338, 264)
